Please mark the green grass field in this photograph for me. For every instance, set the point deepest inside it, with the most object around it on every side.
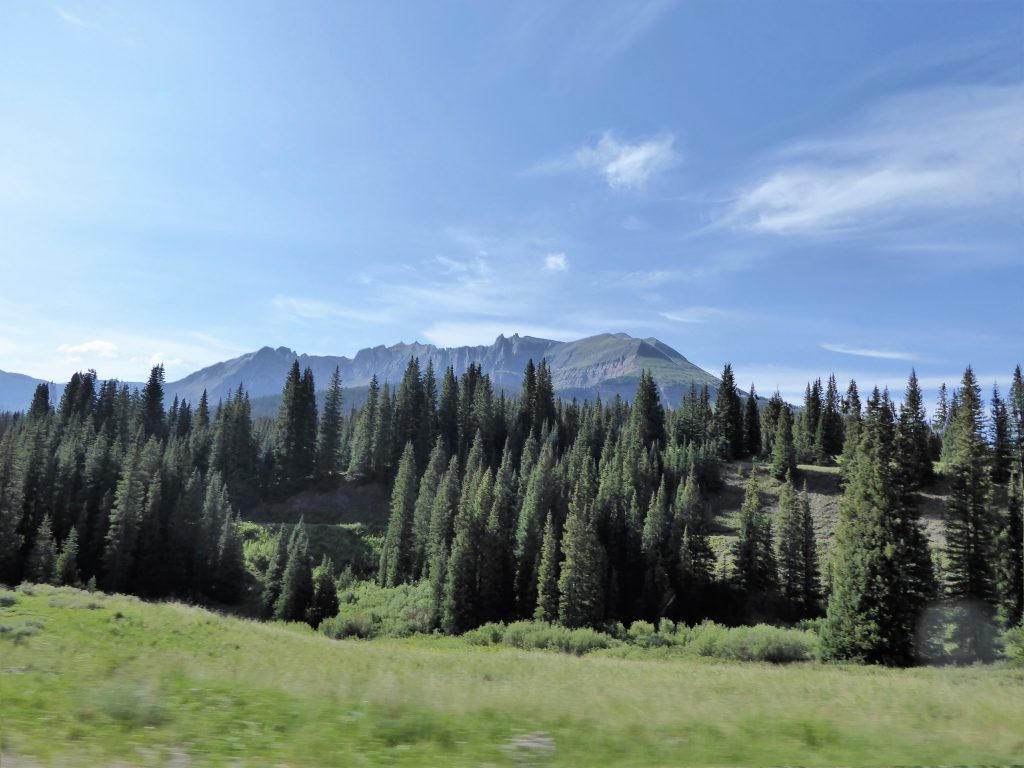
(88, 680)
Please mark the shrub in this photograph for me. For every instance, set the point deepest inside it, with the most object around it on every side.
(757, 643)
(7, 599)
(368, 610)
(340, 628)
(643, 634)
(531, 635)
(1014, 639)
(488, 634)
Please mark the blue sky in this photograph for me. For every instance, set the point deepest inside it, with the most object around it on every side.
(795, 187)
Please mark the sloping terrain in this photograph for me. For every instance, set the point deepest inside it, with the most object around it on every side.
(94, 680)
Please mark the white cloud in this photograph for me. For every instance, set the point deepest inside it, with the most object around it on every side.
(877, 354)
(168, 362)
(940, 150)
(622, 164)
(556, 262)
(696, 314)
(97, 347)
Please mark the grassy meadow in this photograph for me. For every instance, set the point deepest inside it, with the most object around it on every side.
(88, 680)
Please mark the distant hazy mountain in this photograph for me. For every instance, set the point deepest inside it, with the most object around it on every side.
(608, 364)
(16, 390)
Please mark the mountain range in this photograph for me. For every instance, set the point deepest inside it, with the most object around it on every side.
(608, 364)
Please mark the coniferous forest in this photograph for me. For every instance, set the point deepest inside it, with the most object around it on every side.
(521, 506)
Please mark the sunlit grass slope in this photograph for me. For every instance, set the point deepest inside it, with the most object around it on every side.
(88, 680)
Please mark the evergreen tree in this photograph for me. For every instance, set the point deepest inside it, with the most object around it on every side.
(361, 463)
(125, 516)
(448, 412)
(770, 421)
(830, 428)
(325, 594)
(274, 576)
(751, 425)
(42, 559)
(461, 588)
(423, 508)
(880, 572)
(329, 446)
(783, 450)
(295, 447)
(297, 581)
(647, 419)
(972, 525)
(1011, 573)
(397, 554)
(1017, 418)
(154, 419)
(796, 552)
(753, 553)
(580, 585)
(1002, 447)
(547, 577)
(729, 415)
(529, 531)
(231, 573)
(913, 438)
(67, 561)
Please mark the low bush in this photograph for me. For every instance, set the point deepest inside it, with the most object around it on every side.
(368, 610)
(7, 599)
(758, 643)
(539, 635)
(1014, 642)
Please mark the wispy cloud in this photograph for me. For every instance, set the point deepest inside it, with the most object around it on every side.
(877, 354)
(940, 150)
(70, 18)
(573, 39)
(96, 347)
(297, 309)
(556, 262)
(696, 314)
(623, 164)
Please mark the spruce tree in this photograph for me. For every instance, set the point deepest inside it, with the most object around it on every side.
(783, 450)
(329, 447)
(647, 419)
(1011, 571)
(729, 416)
(972, 525)
(1002, 447)
(361, 463)
(67, 561)
(751, 425)
(461, 595)
(796, 553)
(753, 552)
(1017, 418)
(547, 577)
(125, 516)
(913, 438)
(423, 508)
(42, 558)
(325, 594)
(230, 574)
(581, 584)
(297, 581)
(274, 576)
(154, 419)
(397, 556)
(880, 572)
